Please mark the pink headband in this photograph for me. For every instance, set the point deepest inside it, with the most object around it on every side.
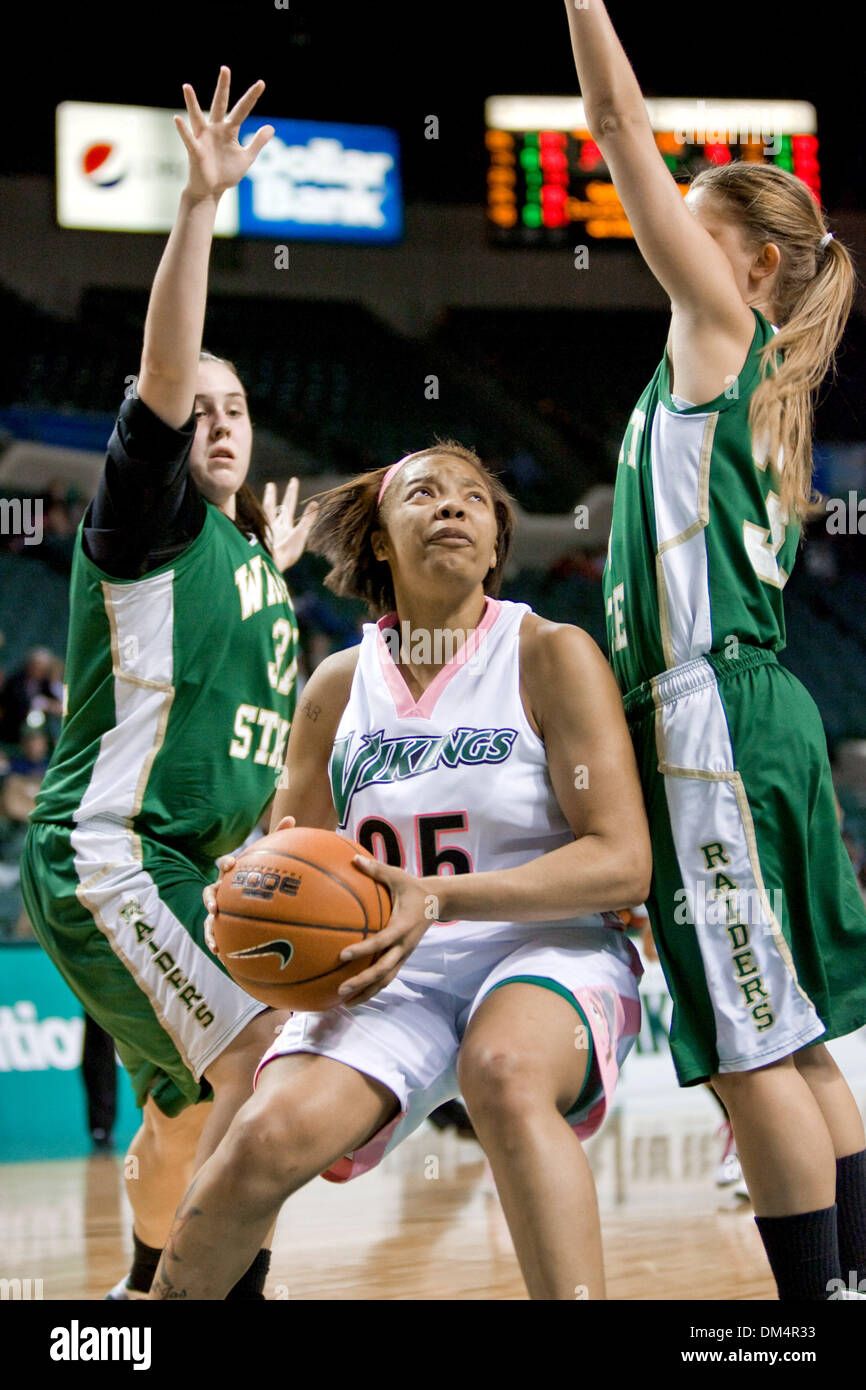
(395, 468)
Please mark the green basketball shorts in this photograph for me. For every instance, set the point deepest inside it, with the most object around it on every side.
(122, 918)
(760, 927)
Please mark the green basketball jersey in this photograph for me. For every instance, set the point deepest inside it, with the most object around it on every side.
(700, 548)
(180, 693)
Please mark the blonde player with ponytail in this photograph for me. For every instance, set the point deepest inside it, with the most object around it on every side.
(754, 907)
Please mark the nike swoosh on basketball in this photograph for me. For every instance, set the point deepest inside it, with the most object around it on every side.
(283, 949)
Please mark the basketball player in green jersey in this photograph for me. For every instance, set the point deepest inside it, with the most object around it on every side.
(754, 906)
(181, 689)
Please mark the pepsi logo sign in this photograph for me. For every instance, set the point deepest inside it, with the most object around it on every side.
(103, 165)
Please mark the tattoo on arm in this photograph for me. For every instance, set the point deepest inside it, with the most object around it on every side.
(310, 710)
(164, 1288)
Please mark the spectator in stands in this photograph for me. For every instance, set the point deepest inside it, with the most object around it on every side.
(26, 770)
(589, 564)
(35, 687)
(525, 471)
(18, 789)
(4, 761)
(857, 854)
(62, 508)
(57, 517)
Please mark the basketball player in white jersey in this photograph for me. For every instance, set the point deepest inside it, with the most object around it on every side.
(499, 784)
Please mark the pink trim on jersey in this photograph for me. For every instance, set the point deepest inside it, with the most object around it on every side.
(404, 702)
(591, 1123)
(632, 1013)
(365, 1158)
(628, 1020)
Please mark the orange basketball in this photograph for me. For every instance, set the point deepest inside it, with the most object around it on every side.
(293, 901)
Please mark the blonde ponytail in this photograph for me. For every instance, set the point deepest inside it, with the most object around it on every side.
(813, 296)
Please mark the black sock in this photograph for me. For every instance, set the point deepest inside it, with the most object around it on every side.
(851, 1203)
(803, 1252)
(252, 1284)
(144, 1262)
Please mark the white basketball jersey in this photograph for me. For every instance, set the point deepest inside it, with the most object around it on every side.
(457, 781)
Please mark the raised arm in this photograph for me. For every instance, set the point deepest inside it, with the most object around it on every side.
(682, 255)
(175, 316)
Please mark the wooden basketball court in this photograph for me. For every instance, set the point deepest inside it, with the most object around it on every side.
(425, 1225)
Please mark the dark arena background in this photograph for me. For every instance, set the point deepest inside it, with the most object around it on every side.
(477, 280)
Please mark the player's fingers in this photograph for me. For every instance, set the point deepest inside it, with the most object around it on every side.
(290, 500)
(371, 979)
(269, 499)
(362, 987)
(209, 936)
(220, 100)
(196, 118)
(296, 541)
(180, 126)
(307, 521)
(244, 105)
(225, 864)
(209, 898)
(370, 993)
(383, 873)
(368, 947)
(258, 142)
(374, 943)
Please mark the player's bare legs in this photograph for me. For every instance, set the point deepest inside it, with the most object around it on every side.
(833, 1095)
(522, 1064)
(232, 1074)
(792, 1120)
(167, 1151)
(158, 1167)
(307, 1112)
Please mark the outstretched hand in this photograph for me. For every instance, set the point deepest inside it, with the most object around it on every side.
(413, 911)
(288, 537)
(216, 159)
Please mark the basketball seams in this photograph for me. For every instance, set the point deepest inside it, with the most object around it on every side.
(284, 922)
(335, 878)
(240, 918)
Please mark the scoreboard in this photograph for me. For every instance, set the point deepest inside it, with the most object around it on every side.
(547, 181)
